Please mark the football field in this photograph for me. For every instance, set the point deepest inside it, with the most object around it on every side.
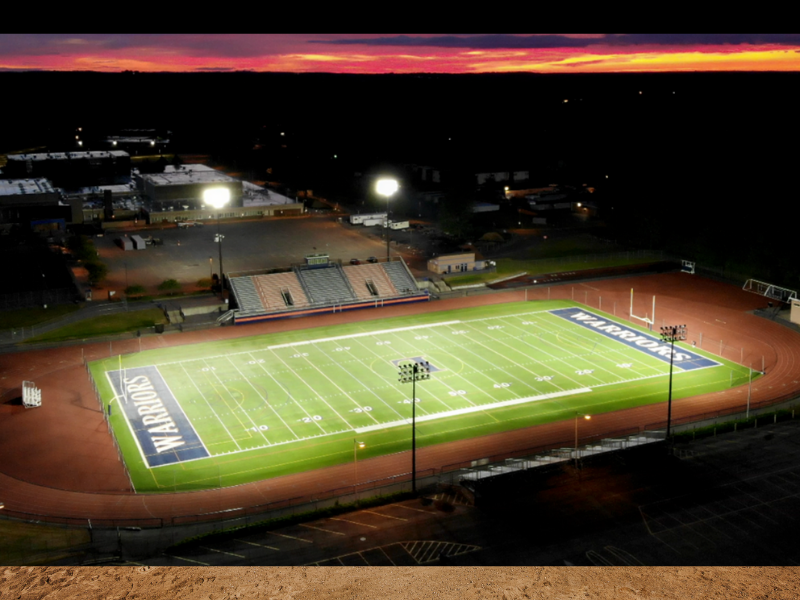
(230, 412)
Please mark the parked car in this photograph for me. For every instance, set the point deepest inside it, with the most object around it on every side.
(355, 261)
(372, 259)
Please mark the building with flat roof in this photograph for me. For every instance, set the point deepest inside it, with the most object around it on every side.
(71, 169)
(25, 200)
(183, 186)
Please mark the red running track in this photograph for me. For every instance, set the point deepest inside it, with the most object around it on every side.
(58, 462)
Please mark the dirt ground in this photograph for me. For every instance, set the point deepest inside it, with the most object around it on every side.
(300, 583)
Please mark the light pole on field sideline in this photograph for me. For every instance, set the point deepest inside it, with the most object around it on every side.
(586, 417)
(356, 447)
(414, 371)
(671, 334)
(386, 187)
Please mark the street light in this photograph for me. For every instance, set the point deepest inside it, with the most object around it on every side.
(217, 198)
(414, 371)
(587, 417)
(386, 187)
(356, 446)
(671, 333)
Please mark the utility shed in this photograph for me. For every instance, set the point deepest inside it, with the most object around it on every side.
(124, 243)
(138, 242)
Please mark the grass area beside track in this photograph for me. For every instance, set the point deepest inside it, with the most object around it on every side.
(104, 325)
(25, 317)
(511, 266)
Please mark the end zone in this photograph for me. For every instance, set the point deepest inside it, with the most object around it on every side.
(161, 429)
(684, 359)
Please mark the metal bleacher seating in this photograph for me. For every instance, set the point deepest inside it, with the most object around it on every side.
(270, 288)
(247, 296)
(360, 275)
(400, 277)
(327, 285)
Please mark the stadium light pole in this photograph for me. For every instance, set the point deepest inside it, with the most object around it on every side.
(587, 417)
(387, 187)
(356, 447)
(671, 334)
(218, 197)
(414, 371)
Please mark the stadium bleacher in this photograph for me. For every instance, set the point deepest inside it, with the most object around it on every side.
(314, 290)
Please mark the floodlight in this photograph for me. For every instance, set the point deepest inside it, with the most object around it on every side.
(386, 187)
(217, 197)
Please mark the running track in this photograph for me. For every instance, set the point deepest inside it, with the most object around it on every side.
(58, 462)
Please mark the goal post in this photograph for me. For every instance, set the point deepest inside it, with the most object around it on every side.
(31, 395)
(647, 318)
(769, 290)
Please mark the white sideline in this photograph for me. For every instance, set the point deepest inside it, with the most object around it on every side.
(472, 409)
(365, 334)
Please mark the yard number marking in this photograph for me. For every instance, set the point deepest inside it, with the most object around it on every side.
(585, 372)
(311, 419)
(544, 378)
(501, 385)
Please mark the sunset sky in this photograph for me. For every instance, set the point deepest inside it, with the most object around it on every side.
(401, 53)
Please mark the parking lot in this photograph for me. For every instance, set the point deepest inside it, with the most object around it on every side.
(189, 254)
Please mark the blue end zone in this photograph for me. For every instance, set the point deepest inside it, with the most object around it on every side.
(162, 429)
(644, 342)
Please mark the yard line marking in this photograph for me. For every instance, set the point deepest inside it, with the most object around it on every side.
(615, 346)
(338, 388)
(234, 412)
(321, 529)
(203, 396)
(291, 537)
(580, 332)
(480, 408)
(491, 380)
(369, 388)
(393, 384)
(222, 552)
(288, 395)
(443, 382)
(350, 336)
(387, 516)
(538, 349)
(259, 545)
(186, 559)
(313, 391)
(265, 400)
(354, 522)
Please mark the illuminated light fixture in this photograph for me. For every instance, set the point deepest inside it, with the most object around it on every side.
(387, 187)
(413, 371)
(152, 143)
(588, 418)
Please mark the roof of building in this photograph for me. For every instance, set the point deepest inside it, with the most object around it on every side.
(67, 155)
(186, 174)
(20, 187)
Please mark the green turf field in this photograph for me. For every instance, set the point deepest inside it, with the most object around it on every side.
(269, 405)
